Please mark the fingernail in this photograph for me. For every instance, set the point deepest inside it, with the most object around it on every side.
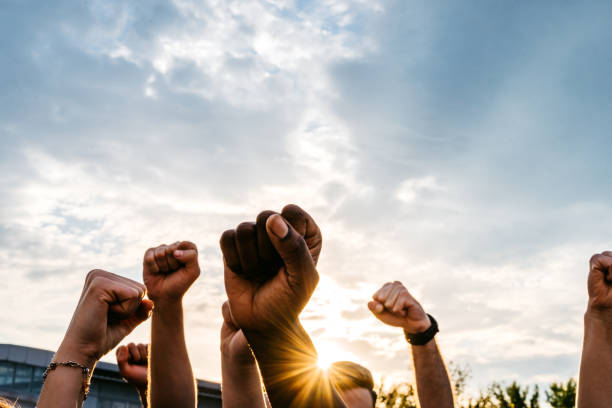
(178, 253)
(278, 226)
(379, 308)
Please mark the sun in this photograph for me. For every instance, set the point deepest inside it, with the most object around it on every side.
(325, 361)
(328, 353)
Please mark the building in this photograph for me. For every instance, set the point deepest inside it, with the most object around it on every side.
(21, 370)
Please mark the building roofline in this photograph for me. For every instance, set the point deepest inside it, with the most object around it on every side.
(41, 358)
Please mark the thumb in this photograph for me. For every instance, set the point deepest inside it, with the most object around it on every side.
(142, 313)
(187, 253)
(376, 307)
(293, 251)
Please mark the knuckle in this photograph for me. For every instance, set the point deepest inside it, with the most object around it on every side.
(188, 245)
(292, 208)
(595, 259)
(226, 236)
(263, 216)
(244, 227)
(91, 275)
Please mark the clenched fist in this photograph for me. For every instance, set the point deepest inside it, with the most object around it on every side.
(234, 346)
(133, 361)
(600, 283)
(169, 270)
(394, 305)
(110, 307)
(270, 269)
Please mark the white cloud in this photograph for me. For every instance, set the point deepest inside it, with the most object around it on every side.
(181, 120)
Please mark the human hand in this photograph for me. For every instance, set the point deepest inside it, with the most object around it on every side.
(133, 361)
(169, 270)
(234, 345)
(394, 305)
(263, 295)
(110, 307)
(600, 283)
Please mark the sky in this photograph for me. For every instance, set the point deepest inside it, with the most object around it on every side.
(460, 148)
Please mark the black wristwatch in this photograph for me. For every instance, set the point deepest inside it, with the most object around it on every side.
(420, 339)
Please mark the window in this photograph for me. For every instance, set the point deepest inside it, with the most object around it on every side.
(23, 377)
(6, 373)
(37, 379)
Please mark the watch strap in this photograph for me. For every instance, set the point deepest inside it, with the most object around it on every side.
(420, 339)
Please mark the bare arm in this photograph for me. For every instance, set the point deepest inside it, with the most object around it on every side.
(595, 379)
(64, 387)
(433, 385)
(241, 386)
(266, 299)
(168, 272)
(172, 380)
(394, 305)
(133, 362)
(110, 307)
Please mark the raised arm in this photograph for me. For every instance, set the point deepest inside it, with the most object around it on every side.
(269, 277)
(133, 363)
(394, 305)
(110, 307)
(595, 380)
(169, 270)
(241, 386)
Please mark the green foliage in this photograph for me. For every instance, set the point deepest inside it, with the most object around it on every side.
(460, 376)
(512, 396)
(562, 395)
(497, 395)
(396, 396)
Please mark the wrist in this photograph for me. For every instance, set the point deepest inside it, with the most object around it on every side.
(603, 315)
(242, 359)
(281, 342)
(69, 351)
(167, 305)
(421, 338)
(419, 327)
(239, 364)
(598, 321)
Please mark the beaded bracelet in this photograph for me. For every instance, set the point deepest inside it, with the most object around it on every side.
(71, 364)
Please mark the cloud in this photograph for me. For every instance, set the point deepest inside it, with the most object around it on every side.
(460, 150)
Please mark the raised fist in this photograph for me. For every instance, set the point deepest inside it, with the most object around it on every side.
(394, 305)
(600, 282)
(169, 270)
(234, 346)
(133, 361)
(270, 269)
(110, 307)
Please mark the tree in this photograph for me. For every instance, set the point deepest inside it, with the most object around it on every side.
(562, 395)
(513, 396)
(460, 374)
(396, 396)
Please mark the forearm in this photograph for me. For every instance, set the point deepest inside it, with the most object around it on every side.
(288, 363)
(595, 380)
(433, 384)
(63, 386)
(171, 378)
(241, 385)
(143, 398)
